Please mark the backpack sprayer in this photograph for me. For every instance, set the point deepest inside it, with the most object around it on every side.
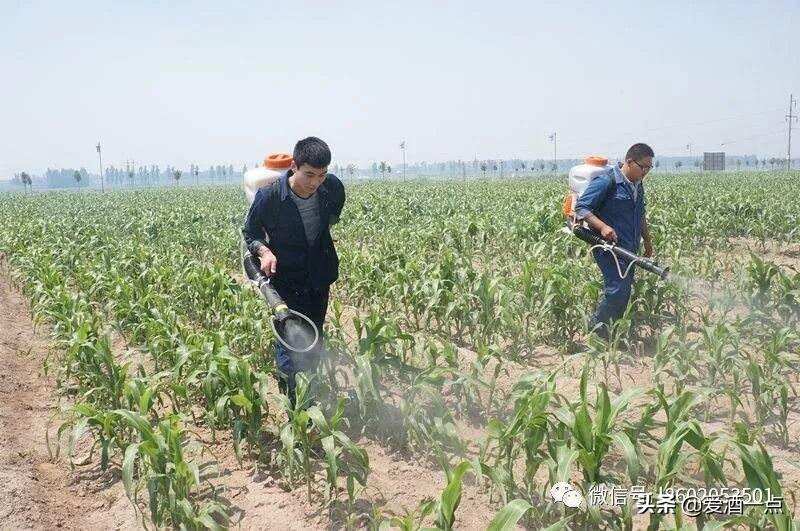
(579, 178)
(292, 329)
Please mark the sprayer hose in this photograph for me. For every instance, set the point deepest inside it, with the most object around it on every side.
(610, 248)
(292, 347)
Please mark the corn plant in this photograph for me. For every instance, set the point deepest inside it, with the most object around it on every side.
(761, 476)
(593, 436)
(297, 435)
(411, 520)
(672, 459)
(142, 393)
(506, 518)
(523, 434)
(425, 417)
(233, 393)
(761, 274)
(157, 462)
(450, 498)
(106, 428)
(789, 294)
(341, 453)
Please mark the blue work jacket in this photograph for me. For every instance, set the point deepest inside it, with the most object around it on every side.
(610, 197)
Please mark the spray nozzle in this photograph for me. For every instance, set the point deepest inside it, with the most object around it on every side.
(292, 329)
(653, 267)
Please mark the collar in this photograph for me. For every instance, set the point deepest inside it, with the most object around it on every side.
(285, 185)
(620, 178)
(286, 190)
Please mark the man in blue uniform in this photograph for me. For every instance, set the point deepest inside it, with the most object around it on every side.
(288, 228)
(613, 205)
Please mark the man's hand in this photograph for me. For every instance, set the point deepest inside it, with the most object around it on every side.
(269, 263)
(648, 249)
(597, 224)
(608, 234)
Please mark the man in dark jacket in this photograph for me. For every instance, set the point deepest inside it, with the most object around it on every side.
(613, 205)
(288, 228)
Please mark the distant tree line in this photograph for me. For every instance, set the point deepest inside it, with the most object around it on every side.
(127, 176)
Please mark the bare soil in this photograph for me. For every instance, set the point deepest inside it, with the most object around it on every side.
(784, 255)
(43, 492)
(37, 492)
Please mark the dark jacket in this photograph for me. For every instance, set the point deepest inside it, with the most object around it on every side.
(610, 197)
(273, 212)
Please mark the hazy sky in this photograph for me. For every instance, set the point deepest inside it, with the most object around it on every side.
(211, 82)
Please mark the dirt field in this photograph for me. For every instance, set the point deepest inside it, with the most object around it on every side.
(40, 492)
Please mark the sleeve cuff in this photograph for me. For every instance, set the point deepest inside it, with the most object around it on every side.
(581, 213)
(255, 247)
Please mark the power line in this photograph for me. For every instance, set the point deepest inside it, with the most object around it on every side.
(728, 142)
(643, 131)
(600, 146)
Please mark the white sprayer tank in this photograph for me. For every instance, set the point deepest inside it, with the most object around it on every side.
(275, 166)
(579, 178)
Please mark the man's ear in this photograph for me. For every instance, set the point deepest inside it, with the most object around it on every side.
(293, 167)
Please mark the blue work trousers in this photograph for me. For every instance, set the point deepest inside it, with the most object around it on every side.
(616, 292)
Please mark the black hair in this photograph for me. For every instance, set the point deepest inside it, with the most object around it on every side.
(639, 151)
(312, 151)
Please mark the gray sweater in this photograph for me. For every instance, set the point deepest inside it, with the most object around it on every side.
(309, 213)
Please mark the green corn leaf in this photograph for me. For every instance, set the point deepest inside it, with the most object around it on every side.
(128, 462)
(451, 497)
(582, 429)
(242, 401)
(560, 525)
(632, 460)
(318, 419)
(506, 519)
(565, 457)
(287, 436)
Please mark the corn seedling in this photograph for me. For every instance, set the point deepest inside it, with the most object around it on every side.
(341, 453)
(157, 462)
(297, 435)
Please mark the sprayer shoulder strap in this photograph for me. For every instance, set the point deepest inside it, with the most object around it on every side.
(612, 189)
(272, 206)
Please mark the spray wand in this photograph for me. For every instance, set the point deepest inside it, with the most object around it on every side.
(294, 330)
(597, 242)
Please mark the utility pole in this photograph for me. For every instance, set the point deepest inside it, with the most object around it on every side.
(790, 117)
(403, 149)
(130, 166)
(555, 151)
(100, 155)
